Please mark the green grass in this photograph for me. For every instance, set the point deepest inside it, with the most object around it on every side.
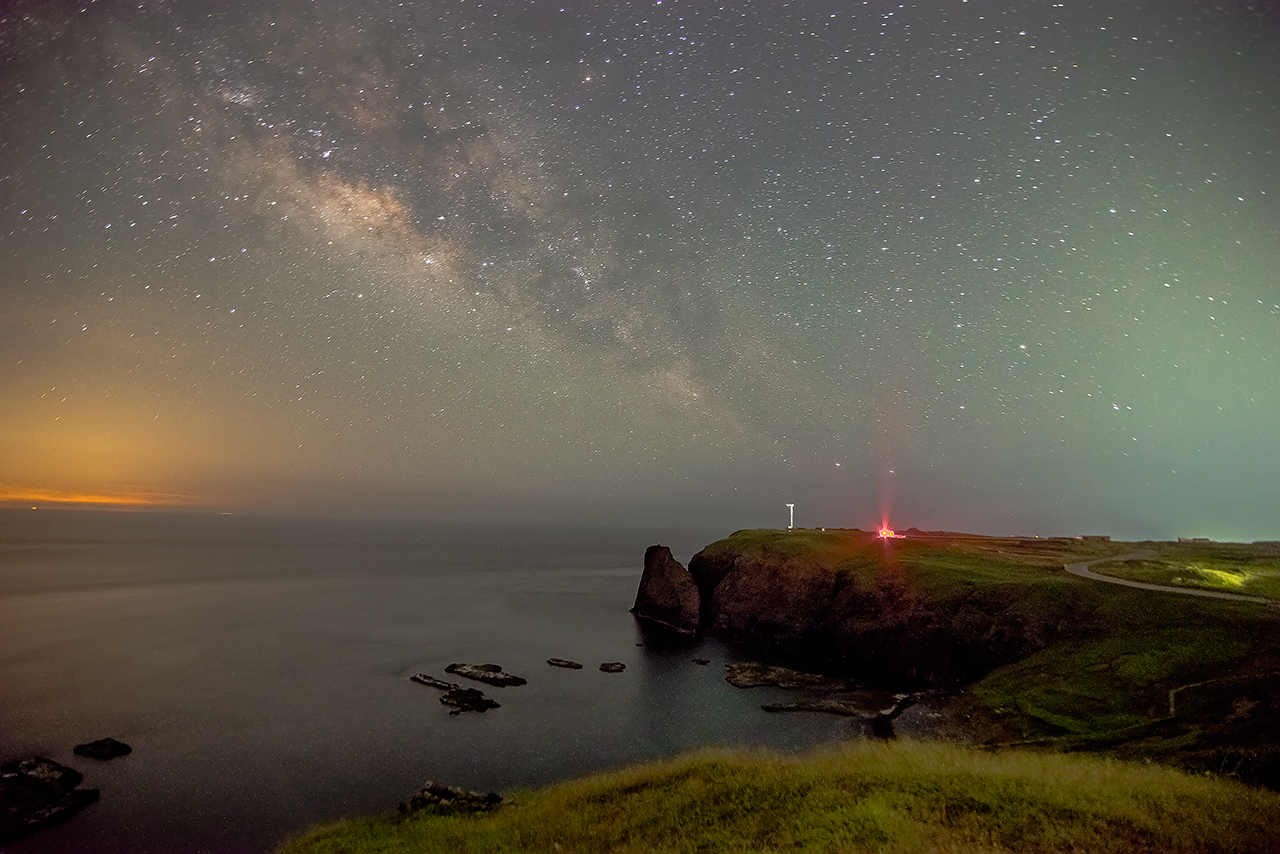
(1241, 569)
(1120, 676)
(858, 797)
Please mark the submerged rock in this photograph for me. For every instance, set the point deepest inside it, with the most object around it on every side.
(103, 748)
(668, 594)
(828, 706)
(441, 795)
(433, 682)
(36, 793)
(564, 662)
(490, 674)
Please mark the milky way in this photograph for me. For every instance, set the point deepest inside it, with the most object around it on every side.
(998, 267)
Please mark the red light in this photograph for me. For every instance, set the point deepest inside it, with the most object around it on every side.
(887, 534)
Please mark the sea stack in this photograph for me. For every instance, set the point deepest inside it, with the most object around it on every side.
(668, 594)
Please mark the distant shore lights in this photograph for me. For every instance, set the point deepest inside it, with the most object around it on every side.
(887, 534)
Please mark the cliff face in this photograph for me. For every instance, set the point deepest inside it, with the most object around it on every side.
(854, 604)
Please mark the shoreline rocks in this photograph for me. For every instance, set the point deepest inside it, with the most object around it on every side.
(36, 793)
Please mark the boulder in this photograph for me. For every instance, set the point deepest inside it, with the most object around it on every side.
(564, 662)
(668, 594)
(613, 667)
(36, 793)
(103, 748)
(490, 674)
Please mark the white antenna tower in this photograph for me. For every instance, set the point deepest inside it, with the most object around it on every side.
(792, 508)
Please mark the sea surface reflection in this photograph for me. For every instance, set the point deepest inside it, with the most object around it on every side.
(259, 668)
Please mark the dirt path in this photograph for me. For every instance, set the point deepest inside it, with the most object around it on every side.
(1082, 569)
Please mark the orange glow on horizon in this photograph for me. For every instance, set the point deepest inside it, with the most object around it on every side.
(30, 496)
(886, 533)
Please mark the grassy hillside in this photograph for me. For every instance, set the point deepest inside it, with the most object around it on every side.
(860, 797)
(1251, 569)
(1180, 679)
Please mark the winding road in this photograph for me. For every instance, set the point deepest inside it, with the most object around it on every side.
(1082, 569)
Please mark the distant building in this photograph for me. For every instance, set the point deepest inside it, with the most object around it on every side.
(1096, 538)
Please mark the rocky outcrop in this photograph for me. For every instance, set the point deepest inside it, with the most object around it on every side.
(846, 603)
(490, 674)
(103, 748)
(36, 793)
(450, 797)
(668, 594)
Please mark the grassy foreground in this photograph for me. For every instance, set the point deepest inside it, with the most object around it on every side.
(858, 797)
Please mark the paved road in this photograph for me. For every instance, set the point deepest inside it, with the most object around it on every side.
(1082, 569)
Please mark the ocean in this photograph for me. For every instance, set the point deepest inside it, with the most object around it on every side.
(259, 668)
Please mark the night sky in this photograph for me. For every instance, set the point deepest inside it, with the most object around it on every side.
(1010, 268)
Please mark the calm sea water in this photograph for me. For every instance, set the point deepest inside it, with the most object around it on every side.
(259, 668)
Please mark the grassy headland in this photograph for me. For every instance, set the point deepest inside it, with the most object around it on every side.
(1074, 665)
(859, 797)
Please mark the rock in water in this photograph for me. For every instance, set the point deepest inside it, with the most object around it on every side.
(613, 667)
(752, 675)
(490, 674)
(668, 594)
(36, 793)
(828, 705)
(467, 700)
(564, 662)
(433, 682)
(103, 748)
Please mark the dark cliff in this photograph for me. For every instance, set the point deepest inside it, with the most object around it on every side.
(922, 612)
